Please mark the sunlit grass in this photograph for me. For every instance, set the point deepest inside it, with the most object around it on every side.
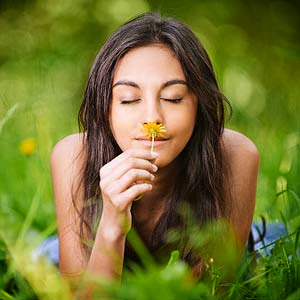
(44, 63)
(262, 276)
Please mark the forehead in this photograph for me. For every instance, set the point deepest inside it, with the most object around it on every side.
(153, 63)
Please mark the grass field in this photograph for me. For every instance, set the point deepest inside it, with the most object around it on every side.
(46, 51)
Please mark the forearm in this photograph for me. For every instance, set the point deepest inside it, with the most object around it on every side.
(105, 262)
(107, 256)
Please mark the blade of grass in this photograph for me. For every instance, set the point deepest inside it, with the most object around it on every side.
(5, 296)
(173, 257)
(283, 237)
(297, 240)
(140, 248)
(29, 217)
(8, 116)
(285, 225)
(48, 231)
(296, 197)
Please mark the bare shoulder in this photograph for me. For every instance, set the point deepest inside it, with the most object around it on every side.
(243, 157)
(66, 162)
(68, 147)
(241, 152)
(237, 143)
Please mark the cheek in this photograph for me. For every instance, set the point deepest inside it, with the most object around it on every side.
(181, 129)
(120, 135)
(122, 127)
(116, 125)
(184, 124)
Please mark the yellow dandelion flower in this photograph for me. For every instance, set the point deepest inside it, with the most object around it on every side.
(211, 260)
(153, 130)
(27, 146)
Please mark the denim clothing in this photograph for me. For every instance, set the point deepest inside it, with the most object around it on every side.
(49, 249)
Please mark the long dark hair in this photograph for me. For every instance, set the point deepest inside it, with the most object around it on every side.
(200, 178)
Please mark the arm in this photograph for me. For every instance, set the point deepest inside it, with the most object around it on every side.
(106, 259)
(72, 263)
(244, 163)
(64, 173)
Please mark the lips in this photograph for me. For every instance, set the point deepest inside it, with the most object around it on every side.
(157, 143)
(149, 139)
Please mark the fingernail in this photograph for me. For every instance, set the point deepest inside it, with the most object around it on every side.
(154, 168)
(152, 177)
(154, 154)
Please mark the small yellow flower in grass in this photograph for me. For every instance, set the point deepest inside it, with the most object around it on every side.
(27, 146)
(153, 130)
(211, 260)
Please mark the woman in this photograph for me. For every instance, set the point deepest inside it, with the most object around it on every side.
(152, 69)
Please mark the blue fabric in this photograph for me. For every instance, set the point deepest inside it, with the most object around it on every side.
(50, 248)
(274, 231)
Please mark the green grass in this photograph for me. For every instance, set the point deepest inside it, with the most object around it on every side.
(44, 64)
(260, 276)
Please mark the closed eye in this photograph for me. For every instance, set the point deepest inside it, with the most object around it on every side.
(177, 100)
(129, 101)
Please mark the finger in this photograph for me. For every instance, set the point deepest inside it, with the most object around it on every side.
(130, 178)
(131, 163)
(130, 153)
(134, 191)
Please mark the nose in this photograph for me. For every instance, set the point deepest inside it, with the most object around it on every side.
(153, 112)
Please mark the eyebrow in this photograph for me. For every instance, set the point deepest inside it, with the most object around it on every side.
(165, 84)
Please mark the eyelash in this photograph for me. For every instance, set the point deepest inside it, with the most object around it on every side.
(128, 101)
(177, 100)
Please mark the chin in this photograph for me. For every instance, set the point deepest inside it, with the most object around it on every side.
(162, 163)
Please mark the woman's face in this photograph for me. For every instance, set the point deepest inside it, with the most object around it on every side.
(146, 82)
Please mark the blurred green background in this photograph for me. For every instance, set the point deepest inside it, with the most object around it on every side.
(47, 49)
